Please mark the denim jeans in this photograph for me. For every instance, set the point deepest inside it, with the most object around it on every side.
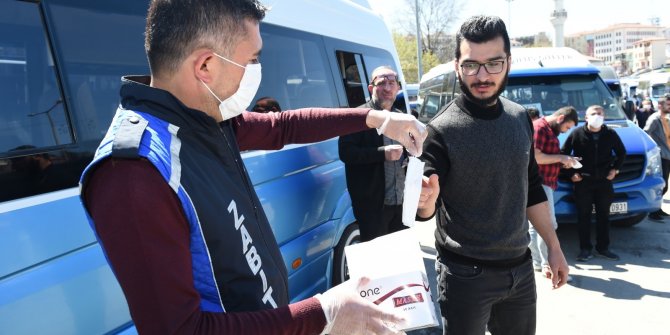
(472, 297)
(538, 248)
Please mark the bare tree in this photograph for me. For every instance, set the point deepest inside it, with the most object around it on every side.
(436, 17)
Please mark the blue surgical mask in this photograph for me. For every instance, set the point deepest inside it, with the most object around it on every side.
(240, 100)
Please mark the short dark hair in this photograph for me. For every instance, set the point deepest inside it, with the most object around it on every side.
(569, 112)
(177, 27)
(533, 112)
(480, 29)
(271, 105)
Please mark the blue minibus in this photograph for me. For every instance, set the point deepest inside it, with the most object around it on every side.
(550, 78)
(60, 67)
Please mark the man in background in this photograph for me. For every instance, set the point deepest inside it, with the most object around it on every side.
(534, 113)
(549, 162)
(266, 104)
(374, 165)
(602, 154)
(658, 128)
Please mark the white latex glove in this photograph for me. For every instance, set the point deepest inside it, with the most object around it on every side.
(393, 152)
(349, 314)
(404, 128)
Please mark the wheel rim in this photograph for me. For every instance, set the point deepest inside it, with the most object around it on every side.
(353, 238)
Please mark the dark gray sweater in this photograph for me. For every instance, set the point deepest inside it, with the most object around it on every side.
(488, 176)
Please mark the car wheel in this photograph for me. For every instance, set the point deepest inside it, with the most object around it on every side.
(629, 222)
(350, 236)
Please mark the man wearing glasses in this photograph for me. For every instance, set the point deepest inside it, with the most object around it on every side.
(373, 165)
(483, 182)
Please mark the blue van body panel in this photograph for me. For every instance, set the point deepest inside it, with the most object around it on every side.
(27, 230)
(68, 287)
(301, 195)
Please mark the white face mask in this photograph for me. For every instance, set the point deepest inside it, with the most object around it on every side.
(240, 100)
(596, 121)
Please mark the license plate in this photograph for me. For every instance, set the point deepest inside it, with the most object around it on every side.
(619, 207)
(616, 208)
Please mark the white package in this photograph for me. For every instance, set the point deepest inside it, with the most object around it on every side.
(394, 263)
(412, 191)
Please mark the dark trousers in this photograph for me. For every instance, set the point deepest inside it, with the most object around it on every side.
(665, 165)
(472, 297)
(373, 225)
(600, 193)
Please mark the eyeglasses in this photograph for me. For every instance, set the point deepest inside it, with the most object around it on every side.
(492, 67)
(390, 80)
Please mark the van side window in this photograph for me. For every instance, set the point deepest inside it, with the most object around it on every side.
(295, 70)
(31, 106)
(353, 77)
(98, 45)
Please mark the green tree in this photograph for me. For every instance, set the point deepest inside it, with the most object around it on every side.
(406, 47)
(436, 17)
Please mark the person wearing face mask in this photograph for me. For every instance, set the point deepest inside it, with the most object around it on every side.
(658, 128)
(373, 165)
(481, 181)
(644, 112)
(172, 205)
(602, 154)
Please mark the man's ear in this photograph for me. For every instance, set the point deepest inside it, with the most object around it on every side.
(203, 64)
(560, 119)
(370, 87)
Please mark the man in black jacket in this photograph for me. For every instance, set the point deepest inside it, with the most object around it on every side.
(373, 164)
(602, 154)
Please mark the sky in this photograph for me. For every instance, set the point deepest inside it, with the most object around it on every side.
(528, 17)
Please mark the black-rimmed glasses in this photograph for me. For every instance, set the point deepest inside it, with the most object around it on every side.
(492, 67)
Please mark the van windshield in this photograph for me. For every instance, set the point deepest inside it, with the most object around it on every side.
(549, 93)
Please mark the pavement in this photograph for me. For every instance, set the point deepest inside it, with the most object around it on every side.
(628, 296)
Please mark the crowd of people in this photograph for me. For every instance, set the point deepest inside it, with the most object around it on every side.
(490, 173)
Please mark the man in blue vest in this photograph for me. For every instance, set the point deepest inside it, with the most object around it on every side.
(170, 200)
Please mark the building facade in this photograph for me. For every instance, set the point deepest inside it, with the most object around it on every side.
(650, 53)
(606, 43)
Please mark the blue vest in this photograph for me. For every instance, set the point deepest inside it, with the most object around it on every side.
(236, 262)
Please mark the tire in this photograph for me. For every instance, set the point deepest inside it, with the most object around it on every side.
(350, 236)
(629, 222)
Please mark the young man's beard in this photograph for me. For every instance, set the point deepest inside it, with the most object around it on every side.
(556, 127)
(482, 102)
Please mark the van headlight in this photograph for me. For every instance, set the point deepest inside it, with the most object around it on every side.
(654, 162)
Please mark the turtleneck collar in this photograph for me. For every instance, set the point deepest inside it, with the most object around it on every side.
(478, 111)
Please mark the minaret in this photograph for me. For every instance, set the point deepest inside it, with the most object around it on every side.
(558, 17)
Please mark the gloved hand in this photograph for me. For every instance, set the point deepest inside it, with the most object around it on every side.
(403, 128)
(349, 314)
(393, 152)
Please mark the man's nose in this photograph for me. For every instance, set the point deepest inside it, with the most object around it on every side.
(482, 74)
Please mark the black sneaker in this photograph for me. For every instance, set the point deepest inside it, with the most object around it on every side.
(607, 254)
(662, 213)
(655, 216)
(584, 255)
